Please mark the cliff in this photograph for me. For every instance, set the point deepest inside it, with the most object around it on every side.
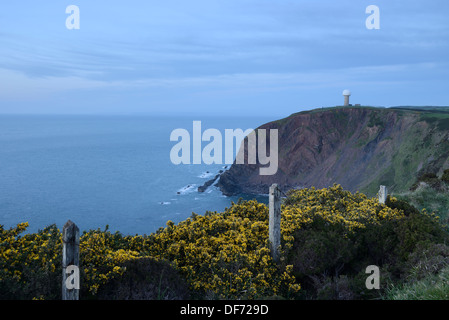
(357, 147)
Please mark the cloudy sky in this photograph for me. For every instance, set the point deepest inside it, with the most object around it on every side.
(216, 57)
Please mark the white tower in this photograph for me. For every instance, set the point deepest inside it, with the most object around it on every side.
(346, 94)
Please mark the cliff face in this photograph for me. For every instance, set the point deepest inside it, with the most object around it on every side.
(359, 148)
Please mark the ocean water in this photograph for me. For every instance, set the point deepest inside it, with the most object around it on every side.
(104, 170)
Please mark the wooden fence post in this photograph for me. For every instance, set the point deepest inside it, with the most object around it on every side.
(70, 261)
(274, 222)
(383, 193)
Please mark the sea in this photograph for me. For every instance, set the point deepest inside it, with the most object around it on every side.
(103, 171)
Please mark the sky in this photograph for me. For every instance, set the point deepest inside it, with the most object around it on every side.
(220, 57)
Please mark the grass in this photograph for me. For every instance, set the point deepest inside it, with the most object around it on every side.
(429, 277)
(427, 198)
(434, 109)
(432, 287)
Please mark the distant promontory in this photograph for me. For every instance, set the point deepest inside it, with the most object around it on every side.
(357, 147)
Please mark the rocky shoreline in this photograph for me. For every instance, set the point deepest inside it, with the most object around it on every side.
(210, 182)
(230, 187)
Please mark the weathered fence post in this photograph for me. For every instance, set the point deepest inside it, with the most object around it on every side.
(383, 193)
(274, 222)
(70, 261)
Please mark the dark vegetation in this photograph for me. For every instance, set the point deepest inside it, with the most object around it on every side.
(328, 262)
(331, 265)
(146, 279)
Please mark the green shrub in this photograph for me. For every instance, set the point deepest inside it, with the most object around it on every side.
(403, 205)
(418, 228)
(320, 248)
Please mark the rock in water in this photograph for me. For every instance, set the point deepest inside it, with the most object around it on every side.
(208, 184)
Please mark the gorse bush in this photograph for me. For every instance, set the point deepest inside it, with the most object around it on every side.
(329, 237)
(30, 265)
(226, 255)
(336, 206)
(332, 247)
(330, 259)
